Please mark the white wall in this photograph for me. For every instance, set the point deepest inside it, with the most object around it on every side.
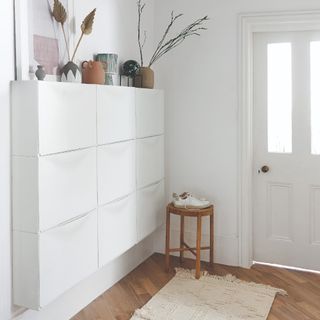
(6, 74)
(114, 31)
(200, 81)
(115, 28)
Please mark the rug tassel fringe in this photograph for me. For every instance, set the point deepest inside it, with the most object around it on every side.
(189, 274)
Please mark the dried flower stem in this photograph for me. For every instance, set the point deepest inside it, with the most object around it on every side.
(141, 7)
(65, 40)
(86, 28)
(77, 47)
(60, 15)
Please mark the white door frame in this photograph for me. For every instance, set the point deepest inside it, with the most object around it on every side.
(248, 25)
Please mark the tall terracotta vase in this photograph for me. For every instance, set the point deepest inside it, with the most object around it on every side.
(147, 77)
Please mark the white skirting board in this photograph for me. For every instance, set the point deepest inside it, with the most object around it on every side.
(74, 300)
(226, 247)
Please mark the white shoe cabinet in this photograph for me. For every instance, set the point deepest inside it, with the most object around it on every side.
(87, 181)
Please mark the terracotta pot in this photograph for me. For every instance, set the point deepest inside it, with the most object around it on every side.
(93, 72)
(147, 77)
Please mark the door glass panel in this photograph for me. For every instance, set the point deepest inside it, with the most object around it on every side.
(279, 98)
(315, 96)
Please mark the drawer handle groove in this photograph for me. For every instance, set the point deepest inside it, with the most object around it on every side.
(69, 222)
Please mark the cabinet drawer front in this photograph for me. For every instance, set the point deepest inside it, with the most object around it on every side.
(116, 171)
(25, 262)
(67, 117)
(117, 228)
(67, 186)
(68, 255)
(150, 161)
(149, 112)
(25, 196)
(150, 209)
(116, 114)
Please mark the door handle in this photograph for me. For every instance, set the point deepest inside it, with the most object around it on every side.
(264, 169)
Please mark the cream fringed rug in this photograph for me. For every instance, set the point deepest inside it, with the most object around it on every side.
(210, 298)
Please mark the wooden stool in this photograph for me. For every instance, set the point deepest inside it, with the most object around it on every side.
(196, 213)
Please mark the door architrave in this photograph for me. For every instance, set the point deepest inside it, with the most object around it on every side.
(248, 25)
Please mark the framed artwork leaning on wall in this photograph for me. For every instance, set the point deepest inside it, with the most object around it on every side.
(38, 40)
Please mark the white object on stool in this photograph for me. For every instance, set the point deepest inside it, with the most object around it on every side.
(188, 201)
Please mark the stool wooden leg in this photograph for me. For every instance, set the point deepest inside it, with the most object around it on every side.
(198, 251)
(167, 240)
(181, 237)
(211, 240)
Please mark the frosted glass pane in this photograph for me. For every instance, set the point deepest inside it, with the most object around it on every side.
(315, 96)
(279, 98)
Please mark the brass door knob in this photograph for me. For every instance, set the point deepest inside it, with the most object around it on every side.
(265, 169)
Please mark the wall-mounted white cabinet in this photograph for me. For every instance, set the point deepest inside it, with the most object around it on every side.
(49, 263)
(150, 160)
(116, 114)
(87, 181)
(149, 113)
(117, 228)
(44, 117)
(50, 190)
(150, 209)
(117, 171)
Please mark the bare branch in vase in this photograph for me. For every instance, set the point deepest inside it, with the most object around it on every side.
(141, 7)
(193, 29)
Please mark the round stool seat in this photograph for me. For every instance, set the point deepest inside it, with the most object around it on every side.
(190, 212)
(193, 213)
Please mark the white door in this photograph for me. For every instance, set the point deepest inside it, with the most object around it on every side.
(286, 136)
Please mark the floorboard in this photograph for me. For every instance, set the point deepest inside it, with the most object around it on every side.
(135, 290)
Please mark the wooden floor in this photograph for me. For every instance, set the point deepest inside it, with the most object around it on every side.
(133, 291)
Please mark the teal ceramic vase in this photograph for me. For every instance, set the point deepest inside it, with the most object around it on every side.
(111, 66)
